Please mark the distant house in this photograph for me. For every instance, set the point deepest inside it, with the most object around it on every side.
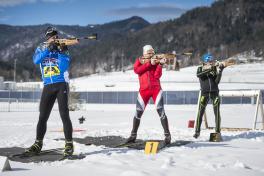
(10, 85)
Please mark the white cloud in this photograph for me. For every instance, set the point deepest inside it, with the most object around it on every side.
(52, 0)
(9, 3)
(151, 12)
(163, 9)
(6, 3)
(4, 18)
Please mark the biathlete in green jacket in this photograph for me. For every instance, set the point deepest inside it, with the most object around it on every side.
(209, 76)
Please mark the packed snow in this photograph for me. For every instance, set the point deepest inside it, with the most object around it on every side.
(241, 153)
(244, 76)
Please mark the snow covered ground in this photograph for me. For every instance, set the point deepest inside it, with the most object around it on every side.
(241, 153)
(244, 76)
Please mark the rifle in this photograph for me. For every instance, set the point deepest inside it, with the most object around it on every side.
(168, 56)
(72, 41)
(225, 63)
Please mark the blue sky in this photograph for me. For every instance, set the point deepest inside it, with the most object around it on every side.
(84, 12)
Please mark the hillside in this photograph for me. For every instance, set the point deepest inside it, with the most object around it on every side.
(226, 28)
(19, 42)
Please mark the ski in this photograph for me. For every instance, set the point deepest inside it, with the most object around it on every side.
(131, 144)
(27, 154)
(53, 154)
(72, 157)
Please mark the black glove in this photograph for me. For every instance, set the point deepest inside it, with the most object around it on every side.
(53, 47)
(212, 73)
(63, 48)
(221, 67)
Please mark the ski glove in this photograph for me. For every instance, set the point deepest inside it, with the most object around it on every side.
(212, 73)
(162, 61)
(153, 61)
(53, 47)
(63, 48)
(221, 67)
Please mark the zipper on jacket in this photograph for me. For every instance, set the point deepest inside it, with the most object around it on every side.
(41, 71)
(50, 72)
(149, 83)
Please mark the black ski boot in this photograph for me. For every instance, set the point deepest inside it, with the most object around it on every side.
(167, 139)
(35, 148)
(132, 139)
(215, 137)
(68, 151)
(196, 135)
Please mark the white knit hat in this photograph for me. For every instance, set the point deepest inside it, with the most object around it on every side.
(146, 48)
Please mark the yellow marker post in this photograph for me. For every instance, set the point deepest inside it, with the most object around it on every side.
(151, 147)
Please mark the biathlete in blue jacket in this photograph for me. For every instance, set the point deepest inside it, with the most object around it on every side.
(54, 61)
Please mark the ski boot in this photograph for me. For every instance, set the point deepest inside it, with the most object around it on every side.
(196, 135)
(68, 151)
(132, 138)
(34, 149)
(167, 139)
(215, 137)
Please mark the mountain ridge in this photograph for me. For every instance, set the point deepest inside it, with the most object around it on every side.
(226, 28)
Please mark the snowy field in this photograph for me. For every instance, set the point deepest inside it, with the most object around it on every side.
(241, 153)
(244, 76)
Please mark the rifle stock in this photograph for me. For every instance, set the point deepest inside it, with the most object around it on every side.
(70, 41)
(226, 63)
(73, 41)
(168, 56)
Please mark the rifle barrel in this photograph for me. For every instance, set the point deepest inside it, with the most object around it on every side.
(186, 54)
(91, 37)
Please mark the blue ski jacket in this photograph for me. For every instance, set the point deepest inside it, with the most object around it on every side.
(53, 65)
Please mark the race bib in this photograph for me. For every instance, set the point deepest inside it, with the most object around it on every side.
(51, 71)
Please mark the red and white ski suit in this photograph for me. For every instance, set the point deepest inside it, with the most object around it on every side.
(149, 80)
